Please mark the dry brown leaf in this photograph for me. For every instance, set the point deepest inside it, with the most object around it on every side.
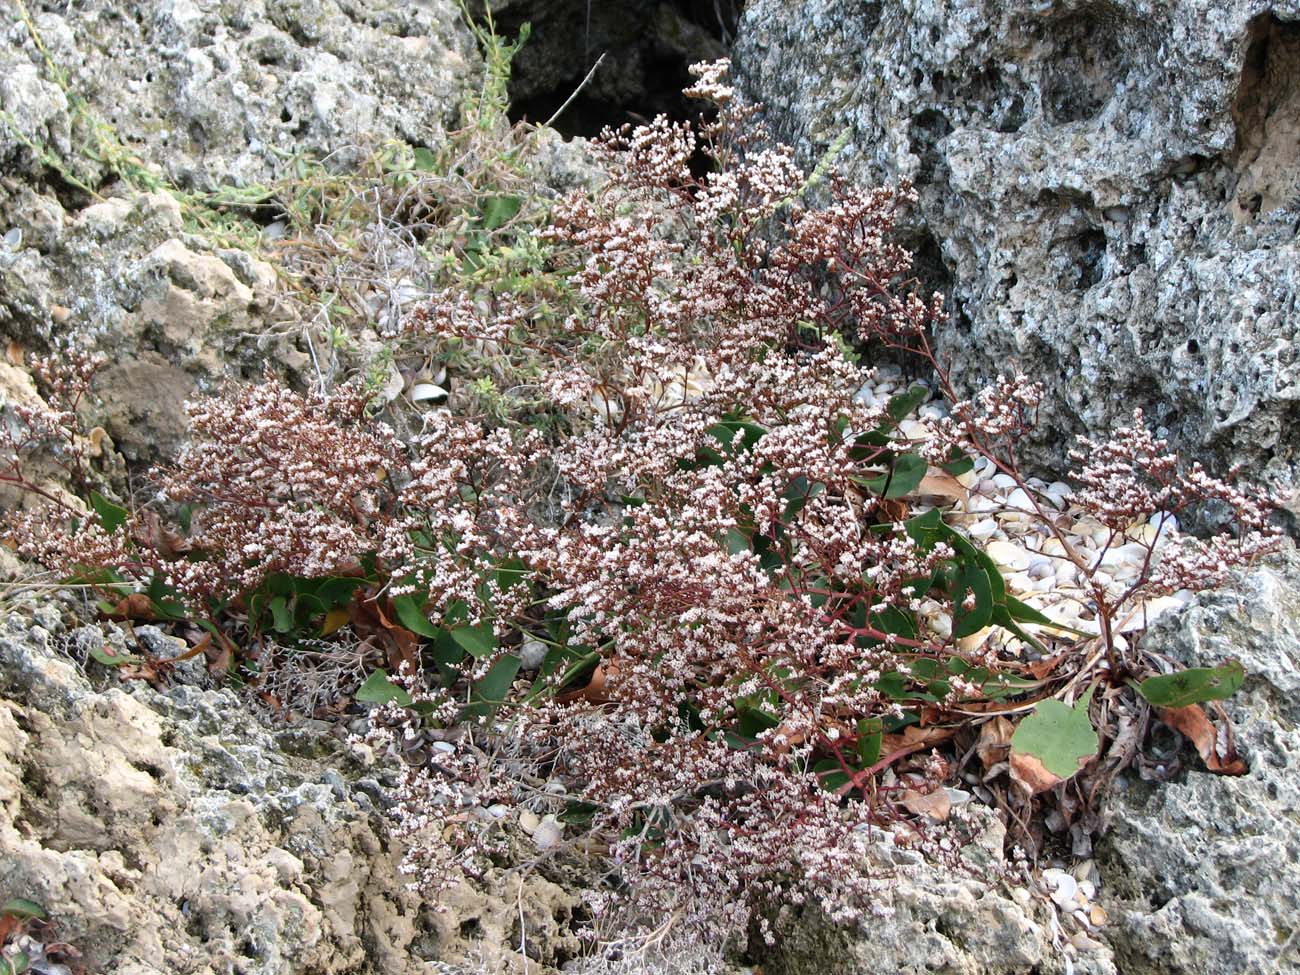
(1214, 744)
(136, 606)
(994, 741)
(1031, 774)
(153, 534)
(595, 689)
(935, 805)
(938, 483)
(1042, 669)
(892, 510)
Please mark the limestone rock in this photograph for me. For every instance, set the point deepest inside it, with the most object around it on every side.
(934, 918)
(177, 832)
(220, 92)
(172, 314)
(1108, 193)
(1199, 869)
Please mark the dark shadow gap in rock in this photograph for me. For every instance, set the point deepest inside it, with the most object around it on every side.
(648, 46)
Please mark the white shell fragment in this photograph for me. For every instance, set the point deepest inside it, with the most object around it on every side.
(549, 833)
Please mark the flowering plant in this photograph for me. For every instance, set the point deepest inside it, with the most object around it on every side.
(726, 605)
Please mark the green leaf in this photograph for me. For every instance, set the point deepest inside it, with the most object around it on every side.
(830, 774)
(477, 641)
(281, 617)
(410, 612)
(495, 685)
(870, 737)
(101, 654)
(111, 516)
(1059, 736)
(1195, 685)
(905, 403)
(960, 466)
(497, 210)
(893, 685)
(1024, 613)
(23, 909)
(378, 689)
(972, 581)
(424, 160)
(753, 721)
(15, 964)
(909, 470)
(927, 529)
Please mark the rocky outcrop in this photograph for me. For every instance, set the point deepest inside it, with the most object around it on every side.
(173, 831)
(216, 93)
(1108, 193)
(148, 102)
(171, 313)
(1198, 869)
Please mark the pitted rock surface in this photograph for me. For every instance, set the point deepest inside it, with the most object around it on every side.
(1108, 193)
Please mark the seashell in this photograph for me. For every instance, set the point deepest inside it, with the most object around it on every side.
(529, 821)
(982, 529)
(1019, 499)
(1082, 942)
(549, 833)
(1020, 582)
(1008, 555)
(1144, 533)
(1132, 555)
(914, 430)
(1065, 889)
(971, 643)
(1005, 481)
(1040, 567)
(427, 392)
(866, 396)
(1086, 871)
(1097, 915)
(968, 480)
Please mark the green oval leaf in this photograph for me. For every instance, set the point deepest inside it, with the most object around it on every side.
(111, 516)
(410, 611)
(102, 654)
(477, 641)
(973, 582)
(23, 909)
(1059, 736)
(378, 689)
(1195, 685)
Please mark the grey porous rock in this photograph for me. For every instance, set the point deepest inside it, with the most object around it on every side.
(172, 314)
(222, 92)
(933, 918)
(174, 831)
(1109, 192)
(1202, 870)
